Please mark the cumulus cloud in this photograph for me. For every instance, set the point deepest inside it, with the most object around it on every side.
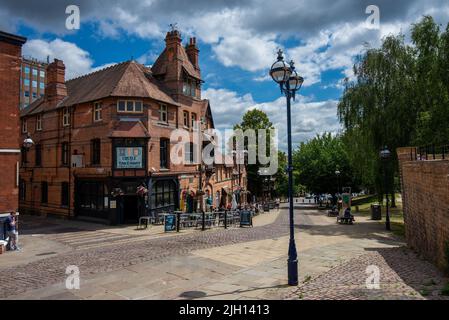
(331, 33)
(309, 118)
(76, 60)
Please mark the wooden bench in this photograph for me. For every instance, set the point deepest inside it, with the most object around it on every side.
(345, 220)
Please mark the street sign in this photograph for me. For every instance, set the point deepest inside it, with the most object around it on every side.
(170, 222)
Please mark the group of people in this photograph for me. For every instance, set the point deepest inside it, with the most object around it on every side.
(11, 225)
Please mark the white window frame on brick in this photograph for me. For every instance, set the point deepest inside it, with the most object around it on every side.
(186, 119)
(134, 102)
(194, 120)
(39, 122)
(163, 113)
(65, 117)
(97, 111)
(24, 126)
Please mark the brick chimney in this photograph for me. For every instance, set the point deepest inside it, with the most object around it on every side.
(193, 52)
(56, 89)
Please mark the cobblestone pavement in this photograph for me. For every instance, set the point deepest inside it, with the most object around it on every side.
(44, 272)
(403, 276)
(249, 264)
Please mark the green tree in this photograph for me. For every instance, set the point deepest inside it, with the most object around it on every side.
(399, 98)
(316, 161)
(257, 120)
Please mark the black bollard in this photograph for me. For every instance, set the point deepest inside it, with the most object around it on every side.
(226, 219)
(203, 227)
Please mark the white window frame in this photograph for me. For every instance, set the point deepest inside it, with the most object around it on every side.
(186, 123)
(24, 126)
(126, 106)
(39, 122)
(65, 117)
(194, 122)
(98, 108)
(163, 111)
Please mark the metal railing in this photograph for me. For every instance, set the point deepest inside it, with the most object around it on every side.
(429, 152)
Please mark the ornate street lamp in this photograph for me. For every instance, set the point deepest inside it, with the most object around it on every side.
(289, 82)
(28, 142)
(385, 155)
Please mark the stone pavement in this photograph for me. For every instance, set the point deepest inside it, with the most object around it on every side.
(237, 264)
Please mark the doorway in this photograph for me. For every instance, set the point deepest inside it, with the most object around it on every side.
(130, 209)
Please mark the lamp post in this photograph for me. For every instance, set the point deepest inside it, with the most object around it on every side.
(289, 82)
(385, 155)
(337, 173)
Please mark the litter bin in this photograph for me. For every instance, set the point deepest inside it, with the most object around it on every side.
(376, 212)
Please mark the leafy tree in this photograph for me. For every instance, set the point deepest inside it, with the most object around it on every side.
(257, 120)
(317, 160)
(399, 98)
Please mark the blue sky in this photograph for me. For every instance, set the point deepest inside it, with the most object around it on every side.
(238, 41)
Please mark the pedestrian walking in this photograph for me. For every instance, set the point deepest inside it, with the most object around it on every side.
(11, 231)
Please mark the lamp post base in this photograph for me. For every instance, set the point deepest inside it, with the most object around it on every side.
(292, 272)
(292, 263)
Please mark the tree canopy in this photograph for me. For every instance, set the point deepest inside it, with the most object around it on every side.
(400, 97)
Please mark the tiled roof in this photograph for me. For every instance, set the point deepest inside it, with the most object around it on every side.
(129, 129)
(126, 79)
(160, 66)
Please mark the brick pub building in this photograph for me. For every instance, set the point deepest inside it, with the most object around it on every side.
(10, 64)
(102, 135)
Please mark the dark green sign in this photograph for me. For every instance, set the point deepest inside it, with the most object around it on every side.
(246, 218)
(170, 223)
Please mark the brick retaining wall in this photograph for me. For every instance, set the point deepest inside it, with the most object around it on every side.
(425, 190)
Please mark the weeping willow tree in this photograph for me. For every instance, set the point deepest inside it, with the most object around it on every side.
(399, 98)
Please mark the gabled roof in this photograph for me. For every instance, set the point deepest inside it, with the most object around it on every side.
(126, 79)
(206, 111)
(129, 129)
(160, 66)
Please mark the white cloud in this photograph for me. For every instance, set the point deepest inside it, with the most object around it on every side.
(77, 61)
(308, 117)
(249, 53)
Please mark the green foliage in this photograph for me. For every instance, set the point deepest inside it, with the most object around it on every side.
(400, 98)
(316, 161)
(255, 119)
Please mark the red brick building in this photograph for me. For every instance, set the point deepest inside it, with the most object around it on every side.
(10, 63)
(102, 135)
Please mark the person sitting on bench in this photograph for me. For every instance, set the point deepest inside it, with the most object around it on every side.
(347, 217)
(347, 213)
